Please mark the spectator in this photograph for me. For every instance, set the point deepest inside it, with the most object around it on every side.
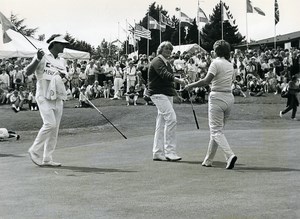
(82, 77)
(97, 90)
(118, 81)
(91, 71)
(236, 89)
(131, 96)
(130, 75)
(292, 99)
(83, 99)
(255, 88)
(6, 134)
(32, 101)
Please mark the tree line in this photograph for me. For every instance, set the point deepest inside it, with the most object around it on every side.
(208, 34)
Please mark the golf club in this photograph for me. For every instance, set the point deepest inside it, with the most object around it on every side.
(104, 117)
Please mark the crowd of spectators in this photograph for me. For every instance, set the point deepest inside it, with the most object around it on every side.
(257, 73)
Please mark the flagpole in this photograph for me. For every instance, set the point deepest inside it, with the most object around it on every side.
(127, 39)
(247, 26)
(147, 38)
(198, 17)
(159, 19)
(222, 18)
(179, 34)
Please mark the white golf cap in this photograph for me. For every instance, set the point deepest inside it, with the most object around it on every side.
(59, 39)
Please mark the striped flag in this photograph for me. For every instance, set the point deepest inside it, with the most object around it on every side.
(153, 24)
(142, 32)
(201, 16)
(185, 19)
(276, 12)
(251, 9)
(6, 24)
(166, 21)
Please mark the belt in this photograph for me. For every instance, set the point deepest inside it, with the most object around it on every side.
(223, 91)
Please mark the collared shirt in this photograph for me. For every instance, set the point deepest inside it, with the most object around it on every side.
(48, 67)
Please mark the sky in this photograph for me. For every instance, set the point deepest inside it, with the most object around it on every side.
(95, 20)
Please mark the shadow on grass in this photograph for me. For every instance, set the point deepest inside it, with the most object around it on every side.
(89, 169)
(10, 155)
(243, 167)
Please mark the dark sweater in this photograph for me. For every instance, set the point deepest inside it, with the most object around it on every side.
(161, 78)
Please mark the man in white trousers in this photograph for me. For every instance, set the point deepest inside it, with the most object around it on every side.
(161, 91)
(50, 93)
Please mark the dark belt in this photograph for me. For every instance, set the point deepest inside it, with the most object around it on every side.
(223, 91)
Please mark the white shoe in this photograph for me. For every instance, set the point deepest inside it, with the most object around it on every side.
(173, 157)
(280, 114)
(35, 158)
(231, 161)
(158, 157)
(206, 164)
(50, 164)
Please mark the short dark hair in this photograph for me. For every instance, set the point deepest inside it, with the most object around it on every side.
(222, 49)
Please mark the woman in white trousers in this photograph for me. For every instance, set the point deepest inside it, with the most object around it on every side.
(220, 76)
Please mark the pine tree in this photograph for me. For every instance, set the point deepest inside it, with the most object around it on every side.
(212, 31)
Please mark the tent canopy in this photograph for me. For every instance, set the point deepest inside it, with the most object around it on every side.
(20, 47)
(190, 48)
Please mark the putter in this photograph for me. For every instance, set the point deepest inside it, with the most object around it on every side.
(105, 117)
(195, 117)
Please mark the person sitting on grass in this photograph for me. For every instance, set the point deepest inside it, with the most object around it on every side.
(83, 99)
(237, 90)
(6, 134)
(32, 101)
(131, 96)
(255, 88)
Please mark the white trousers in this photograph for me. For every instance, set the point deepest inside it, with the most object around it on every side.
(118, 83)
(219, 107)
(166, 123)
(51, 113)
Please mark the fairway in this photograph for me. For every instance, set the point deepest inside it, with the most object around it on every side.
(106, 176)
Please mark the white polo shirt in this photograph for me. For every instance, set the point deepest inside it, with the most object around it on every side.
(45, 71)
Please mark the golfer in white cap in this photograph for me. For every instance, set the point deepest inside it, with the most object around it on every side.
(50, 93)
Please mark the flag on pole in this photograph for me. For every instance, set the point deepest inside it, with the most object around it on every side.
(201, 16)
(153, 24)
(6, 24)
(276, 12)
(226, 15)
(166, 21)
(185, 19)
(142, 32)
(251, 9)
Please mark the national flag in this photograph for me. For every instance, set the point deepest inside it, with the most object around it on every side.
(201, 16)
(142, 32)
(6, 24)
(185, 19)
(166, 21)
(251, 9)
(276, 12)
(153, 24)
(226, 15)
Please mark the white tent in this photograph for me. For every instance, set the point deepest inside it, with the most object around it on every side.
(20, 47)
(190, 48)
